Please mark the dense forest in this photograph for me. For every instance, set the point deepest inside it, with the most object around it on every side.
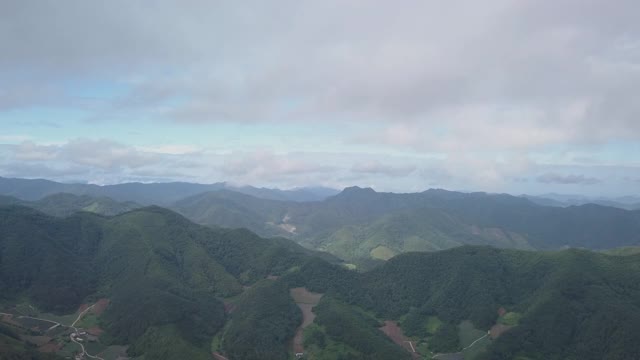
(174, 286)
(361, 226)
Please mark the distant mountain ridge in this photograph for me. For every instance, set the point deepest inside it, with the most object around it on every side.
(625, 202)
(358, 224)
(150, 193)
(63, 204)
(362, 223)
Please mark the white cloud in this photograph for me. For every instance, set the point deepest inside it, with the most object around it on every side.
(553, 178)
(532, 73)
(466, 81)
(375, 167)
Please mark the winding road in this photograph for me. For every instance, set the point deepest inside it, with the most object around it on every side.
(478, 339)
(75, 331)
(56, 324)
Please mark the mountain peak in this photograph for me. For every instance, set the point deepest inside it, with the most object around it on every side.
(358, 190)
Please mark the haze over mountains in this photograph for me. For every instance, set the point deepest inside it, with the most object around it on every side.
(150, 193)
(174, 288)
(357, 224)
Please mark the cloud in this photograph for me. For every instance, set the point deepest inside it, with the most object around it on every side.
(553, 178)
(30, 151)
(375, 167)
(523, 74)
(103, 154)
(390, 86)
(266, 165)
(37, 170)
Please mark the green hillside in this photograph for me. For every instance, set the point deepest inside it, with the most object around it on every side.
(360, 224)
(174, 286)
(64, 204)
(165, 276)
(575, 304)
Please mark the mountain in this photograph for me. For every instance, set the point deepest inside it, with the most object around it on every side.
(231, 209)
(625, 202)
(168, 287)
(149, 193)
(359, 224)
(572, 304)
(302, 194)
(63, 204)
(164, 276)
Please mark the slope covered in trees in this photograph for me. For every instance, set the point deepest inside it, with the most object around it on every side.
(164, 275)
(64, 204)
(361, 223)
(575, 304)
(170, 281)
(150, 193)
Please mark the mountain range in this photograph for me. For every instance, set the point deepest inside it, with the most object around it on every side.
(149, 193)
(359, 225)
(179, 290)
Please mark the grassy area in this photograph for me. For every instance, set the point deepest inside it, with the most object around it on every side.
(433, 324)
(510, 319)
(69, 348)
(216, 342)
(329, 348)
(113, 352)
(423, 349)
(27, 309)
(88, 321)
(382, 253)
(468, 333)
(623, 251)
(94, 347)
(477, 348)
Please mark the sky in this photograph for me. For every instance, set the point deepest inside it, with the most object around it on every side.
(516, 96)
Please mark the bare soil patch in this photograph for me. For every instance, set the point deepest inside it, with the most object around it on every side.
(9, 319)
(229, 307)
(303, 296)
(218, 356)
(305, 300)
(394, 332)
(497, 330)
(95, 331)
(100, 306)
(82, 308)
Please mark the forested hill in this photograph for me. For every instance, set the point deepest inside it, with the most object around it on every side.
(64, 204)
(149, 193)
(574, 304)
(358, 224)
(164, 275)
(361, 223)
(174, 286)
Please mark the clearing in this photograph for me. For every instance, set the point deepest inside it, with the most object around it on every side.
(394, 332)
(305, 300)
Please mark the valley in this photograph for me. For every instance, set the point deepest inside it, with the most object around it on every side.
(176, 288)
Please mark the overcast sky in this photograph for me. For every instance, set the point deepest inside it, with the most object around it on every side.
(519, 96)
